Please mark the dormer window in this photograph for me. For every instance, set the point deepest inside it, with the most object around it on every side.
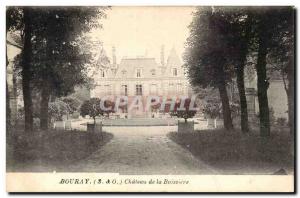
(138, 73)
(124, 72)
(152, 72)
(174, 71)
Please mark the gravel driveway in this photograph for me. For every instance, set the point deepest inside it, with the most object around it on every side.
(142, 150)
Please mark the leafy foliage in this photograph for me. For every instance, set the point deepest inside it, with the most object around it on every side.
(14, 19)
(185, 111)
(205, 56)
(56, 51)
(92, 108)
(73, 103)
(61, 52)
(57, 109)
(206, 49)
(213, 110)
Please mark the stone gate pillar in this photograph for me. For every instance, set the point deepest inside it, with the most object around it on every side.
(250, 95)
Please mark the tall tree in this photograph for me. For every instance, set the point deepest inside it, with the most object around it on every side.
(205, 57)
(282, 59)
(262, 81)
(268, 24)
(26, 69)
(60, 59)
(236, 32)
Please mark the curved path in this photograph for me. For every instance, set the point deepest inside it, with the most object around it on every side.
(142, 150)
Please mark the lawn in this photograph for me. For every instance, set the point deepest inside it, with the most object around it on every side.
(235, 153)
(50, 151)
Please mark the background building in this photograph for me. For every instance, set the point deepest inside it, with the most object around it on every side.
(142, 76)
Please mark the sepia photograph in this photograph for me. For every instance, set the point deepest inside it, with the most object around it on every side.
(150, 98)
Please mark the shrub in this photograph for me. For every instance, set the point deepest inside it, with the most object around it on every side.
(20, 114)
(73, 103)
(186, 113)
(92, 108)
(282, 121)
(57, 109)
(213, 110)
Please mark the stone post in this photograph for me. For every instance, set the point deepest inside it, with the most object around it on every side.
(250, 96)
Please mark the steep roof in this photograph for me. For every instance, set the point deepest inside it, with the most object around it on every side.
(103, 59)
(173, 59)
(129, 65)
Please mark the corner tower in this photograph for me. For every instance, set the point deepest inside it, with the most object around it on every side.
(174, 65)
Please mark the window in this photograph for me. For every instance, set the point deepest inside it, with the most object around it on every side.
(124, 72)
(102, 73)
(174, 71)
(138, 73)
(152, 72)
(124, 90)
(138, 90)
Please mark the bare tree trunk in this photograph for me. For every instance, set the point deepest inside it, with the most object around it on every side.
(46, 89)
(26, 73)
(224, 99)
(243, 101)
(262, 86)
(44, 114)
(225, 107)
(240, 74)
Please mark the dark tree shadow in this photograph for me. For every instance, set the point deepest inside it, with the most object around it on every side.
(51, 150)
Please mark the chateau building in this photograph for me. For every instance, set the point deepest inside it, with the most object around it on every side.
(142, 76)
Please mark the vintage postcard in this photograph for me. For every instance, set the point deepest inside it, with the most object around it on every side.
(150, 99)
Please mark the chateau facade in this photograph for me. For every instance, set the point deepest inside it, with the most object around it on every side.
(142, 76)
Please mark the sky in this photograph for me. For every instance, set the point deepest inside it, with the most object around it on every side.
(140, 31)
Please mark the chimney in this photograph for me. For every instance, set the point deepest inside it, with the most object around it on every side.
(114, 59)
(162, 55)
